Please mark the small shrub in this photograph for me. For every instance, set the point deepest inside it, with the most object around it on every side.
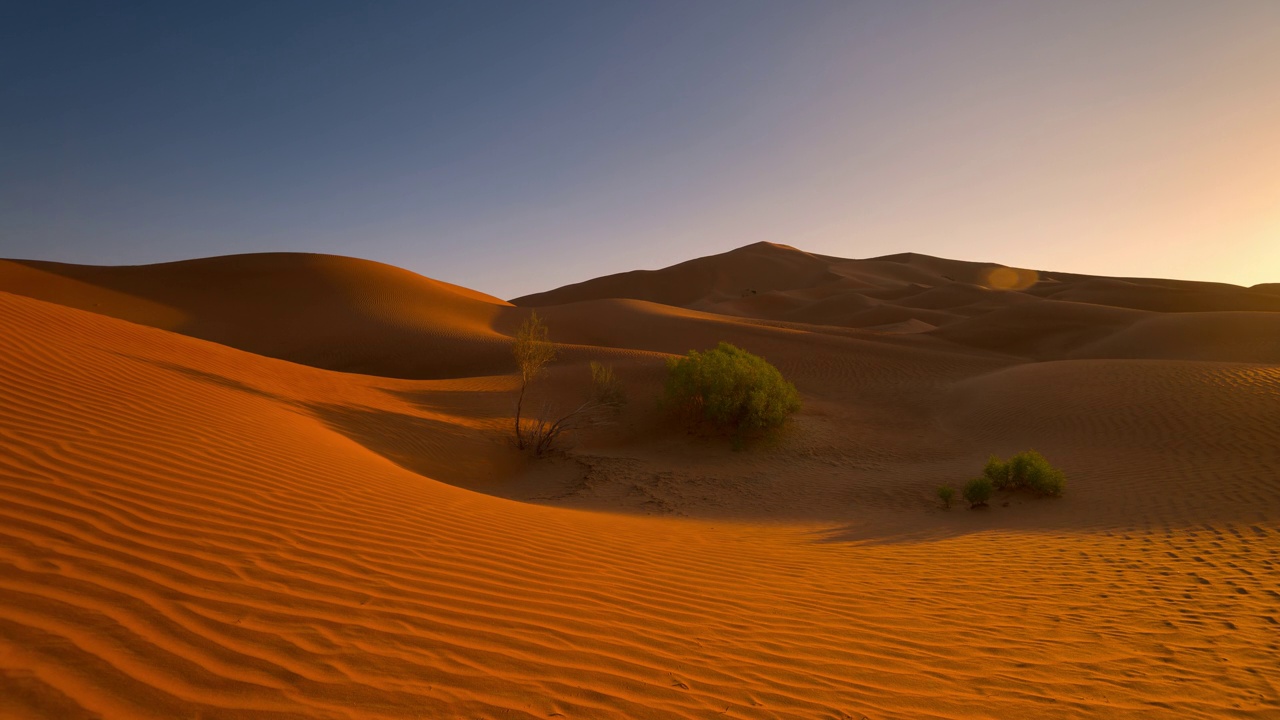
(1021, 467)
(605, 388)
(731, 389)
(945, 494)
(997, 471)
(978, 491)
(1028, 470)
(1034, 472)
(604, 400)
(1051, 483)
(532, 350)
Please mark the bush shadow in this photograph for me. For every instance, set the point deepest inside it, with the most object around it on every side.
(434, 449)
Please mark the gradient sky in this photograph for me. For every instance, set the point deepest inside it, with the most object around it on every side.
(514, 147)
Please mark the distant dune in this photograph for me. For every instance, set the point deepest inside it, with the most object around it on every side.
(1042, 315)
(1248, 337)
(281, 486)
(321, 310)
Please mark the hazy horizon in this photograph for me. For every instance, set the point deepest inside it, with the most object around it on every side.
(513, 148)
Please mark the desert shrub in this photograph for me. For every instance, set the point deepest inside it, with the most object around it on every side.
(1035, 473)
(997, 471)
(532, 350)
(604, 400)
(945, 494)
(1028, 470)
(1051, 483)
(606, 390)
(978, 491)
(1021, 467)
(731, 389)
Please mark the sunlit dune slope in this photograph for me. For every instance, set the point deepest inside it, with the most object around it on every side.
(322, 310)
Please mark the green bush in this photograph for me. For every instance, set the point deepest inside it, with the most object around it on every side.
(978, 491)
(731, 389)
(1038, 475)
(1051, 484)
(945, 494)
(1027, 469)
(997, 471)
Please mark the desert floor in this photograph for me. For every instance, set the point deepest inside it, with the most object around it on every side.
(281, 486)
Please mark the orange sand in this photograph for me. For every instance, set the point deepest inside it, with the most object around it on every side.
(194, 529)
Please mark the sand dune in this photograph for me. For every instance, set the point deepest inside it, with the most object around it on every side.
(1151, 428)
(1041, 330)
(758, 268)
(200, 517)
(952, 296)
(1248, 337)
(331, 312)
(762, 268)
(1162, 296)
(1031, 314)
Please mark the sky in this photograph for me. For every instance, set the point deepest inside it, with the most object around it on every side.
(513, 147)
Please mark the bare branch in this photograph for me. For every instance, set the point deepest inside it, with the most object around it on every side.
(532, 350)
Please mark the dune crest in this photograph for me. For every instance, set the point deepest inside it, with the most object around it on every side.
(1024, 313)
(322, 310)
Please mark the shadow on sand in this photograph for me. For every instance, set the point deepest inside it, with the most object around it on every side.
(433, 449)
(481, 460)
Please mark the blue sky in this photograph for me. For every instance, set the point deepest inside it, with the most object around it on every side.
(513, 147)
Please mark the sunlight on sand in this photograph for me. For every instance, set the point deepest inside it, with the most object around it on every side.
(1004, 278)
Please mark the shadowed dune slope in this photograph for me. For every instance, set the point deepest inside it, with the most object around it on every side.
(1150, 442)
(1168, 296)
(1040, 329)
(1021, 313)
(321, 310)
(762, 267)
(1250, 337)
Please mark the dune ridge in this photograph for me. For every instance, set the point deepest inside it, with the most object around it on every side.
(1029, 314)
(322, 310)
